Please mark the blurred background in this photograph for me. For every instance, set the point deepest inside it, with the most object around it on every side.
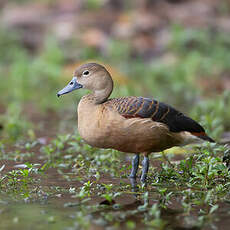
(176, 51)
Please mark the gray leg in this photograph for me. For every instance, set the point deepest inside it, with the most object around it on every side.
(145, 169)
(135, 164)
(133, 174)
(133, 182)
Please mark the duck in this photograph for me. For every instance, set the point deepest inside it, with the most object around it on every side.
(131, 124)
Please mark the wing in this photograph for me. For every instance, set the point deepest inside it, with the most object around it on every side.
(131, 107)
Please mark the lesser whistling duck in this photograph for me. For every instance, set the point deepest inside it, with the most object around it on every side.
(128, 124)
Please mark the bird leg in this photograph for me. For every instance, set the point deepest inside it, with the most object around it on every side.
(145, 169)
(133, 174)
(135, 164)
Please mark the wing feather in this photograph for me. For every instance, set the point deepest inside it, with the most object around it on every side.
(131, 107)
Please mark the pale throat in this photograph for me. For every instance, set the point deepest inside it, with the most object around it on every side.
(102, 95)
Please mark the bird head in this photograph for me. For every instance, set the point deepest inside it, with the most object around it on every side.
(91, 76)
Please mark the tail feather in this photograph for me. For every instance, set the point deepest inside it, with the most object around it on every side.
(203, 136)
(207, 138)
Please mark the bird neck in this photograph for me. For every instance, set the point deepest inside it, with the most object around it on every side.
(100, 96)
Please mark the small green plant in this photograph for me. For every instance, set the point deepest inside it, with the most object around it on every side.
(14, 124)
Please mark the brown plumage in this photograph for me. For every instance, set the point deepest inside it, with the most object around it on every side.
(133, 107)
(129, 124)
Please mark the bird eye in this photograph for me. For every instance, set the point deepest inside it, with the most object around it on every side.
(71, 83)
(86, 72)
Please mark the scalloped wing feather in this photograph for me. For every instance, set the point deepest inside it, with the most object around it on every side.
(140, 107)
